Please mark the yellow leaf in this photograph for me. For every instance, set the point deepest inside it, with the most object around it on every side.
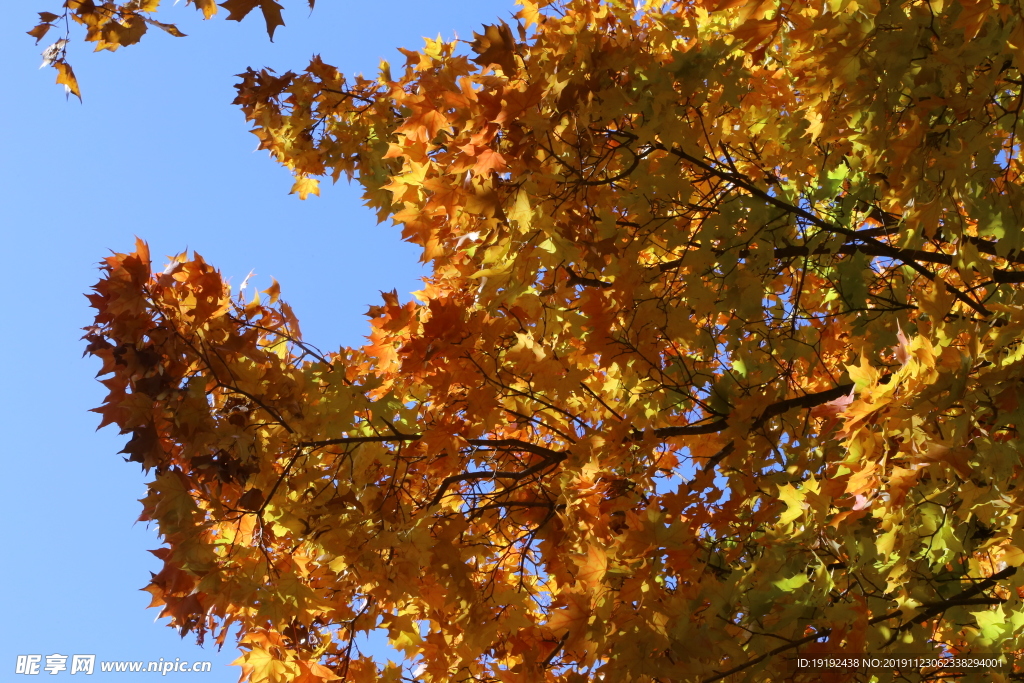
(66, 77)
(521, 212)
(1013, 556)
(791, 584)
(208, 7)
(593, 566)
(305, 186)
(794, 500)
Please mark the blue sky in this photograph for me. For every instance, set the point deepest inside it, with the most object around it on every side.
(156, 150)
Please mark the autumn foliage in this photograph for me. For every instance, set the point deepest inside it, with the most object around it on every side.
(720, 362)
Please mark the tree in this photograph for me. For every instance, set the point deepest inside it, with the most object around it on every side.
(719, 364)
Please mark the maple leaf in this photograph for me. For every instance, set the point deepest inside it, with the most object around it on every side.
(239, 9)
(488, 161)
(143, 441)
(832, 410)
(306, 186)
(496, 46)
(38, 32)
(252, 500)
(593, 566)
(753, 32)
(66, 77)
(272, 16)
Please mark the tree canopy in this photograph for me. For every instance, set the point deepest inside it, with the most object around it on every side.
(719, 363)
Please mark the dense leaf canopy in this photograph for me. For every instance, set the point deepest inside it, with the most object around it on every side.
(719, 362)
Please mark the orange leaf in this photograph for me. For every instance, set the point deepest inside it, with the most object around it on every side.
(864, 480)
(273, 291)
(489, 161)
(754, 31)
(66, 77)
(39, 31)
(593, 567)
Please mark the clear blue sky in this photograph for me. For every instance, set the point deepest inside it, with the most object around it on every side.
(156, 150)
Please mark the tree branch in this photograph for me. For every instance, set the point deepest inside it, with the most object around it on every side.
(930, 610)
(514, 444)
(553, 457)
(881, 248)
(551, 655)
(773, 410)
(575, 279)
(469, 476)
(987, 247)
(346, 440)
(962, 598)
(999, 275)
(550, 456)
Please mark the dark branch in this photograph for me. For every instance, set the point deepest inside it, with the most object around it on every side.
(962, 598)
(469, 476)
(347, 440)
(881, 248)
(511, 444)
(551, 655)
(773, 410)
(987, 247)
(625, 173)
(1000, 276)
(575, 280)
(929, 611)
(552, 457)
(805, 401)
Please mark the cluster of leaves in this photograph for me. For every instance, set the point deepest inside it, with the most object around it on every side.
(111, 25)
(720, 361)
